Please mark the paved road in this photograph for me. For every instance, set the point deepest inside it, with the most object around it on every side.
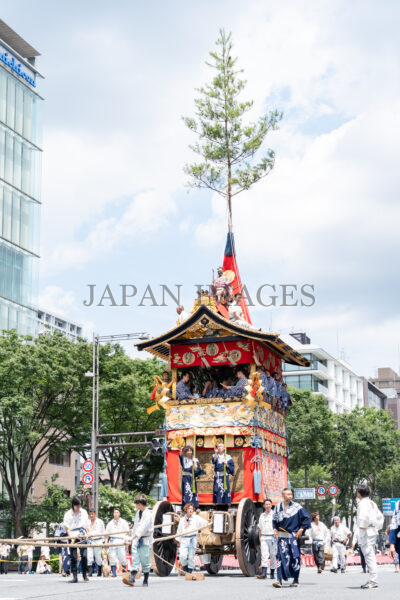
(228, 585)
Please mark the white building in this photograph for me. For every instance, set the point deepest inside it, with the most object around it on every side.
(326, 375)
(48, 321)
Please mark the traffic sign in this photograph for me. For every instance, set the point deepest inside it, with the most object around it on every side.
(87, 478)
(389, 505)
(88, 466)
(333, 490)
(304, 493)
(321, 490)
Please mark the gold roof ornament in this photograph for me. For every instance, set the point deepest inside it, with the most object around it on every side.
(204, 298)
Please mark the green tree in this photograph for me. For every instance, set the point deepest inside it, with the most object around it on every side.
(365, 441)
(387, 483)
(125, 390)
(310, 431)
(114, 497)
(317, 475)
(51, 510)
(42, 392)
(228, 144)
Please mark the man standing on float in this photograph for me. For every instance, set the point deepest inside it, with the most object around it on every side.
(290, 520)
(223, 467)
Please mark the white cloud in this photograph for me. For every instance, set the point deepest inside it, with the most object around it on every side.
(328, 214)
(55, 299)
(145, 214)
(63, 303)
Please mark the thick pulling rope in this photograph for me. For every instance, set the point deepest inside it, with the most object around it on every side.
(30, 542)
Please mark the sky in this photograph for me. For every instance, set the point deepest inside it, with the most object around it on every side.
(116, 208)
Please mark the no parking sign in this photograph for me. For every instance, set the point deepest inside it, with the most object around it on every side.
(87, 478)
(321, 491)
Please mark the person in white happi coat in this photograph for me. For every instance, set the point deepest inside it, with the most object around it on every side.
(182, 315)
(267, 540)
(188, 542)
(369, 520)
(96, 533)
(76, 524)
(319, 537)
(340, 536)
(236, 312)
(116, 533)
(142, 539)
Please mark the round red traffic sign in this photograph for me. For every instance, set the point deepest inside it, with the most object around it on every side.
(87, 479)
(88, 466)
(333, 490)
(321, 490)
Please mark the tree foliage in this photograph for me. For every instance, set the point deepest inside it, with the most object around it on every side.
(365, 442)
(344, 449)
(310, 430)
(109, 498)
(317, 475)
(125, 389)
(51, 510)
(42, 392)
(226, 143)
(55, 504)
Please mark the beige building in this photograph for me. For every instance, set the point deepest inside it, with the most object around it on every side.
(389, 381)
(66, 466)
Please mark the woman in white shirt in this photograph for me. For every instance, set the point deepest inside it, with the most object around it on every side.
(319, 535)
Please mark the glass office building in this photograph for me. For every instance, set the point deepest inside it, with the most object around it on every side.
(20, 176)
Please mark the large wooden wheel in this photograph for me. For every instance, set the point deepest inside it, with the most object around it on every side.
(248, 549)
(214, 565)
(162, 551)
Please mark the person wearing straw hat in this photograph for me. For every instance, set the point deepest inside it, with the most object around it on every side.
(223, 467)
(142, 539)
(43, 567)
(76, 523)
(188, 541)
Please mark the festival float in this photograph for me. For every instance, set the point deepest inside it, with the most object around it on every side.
(208, 344)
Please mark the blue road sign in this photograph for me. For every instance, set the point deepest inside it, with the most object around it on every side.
(304, 493)
(389, 505)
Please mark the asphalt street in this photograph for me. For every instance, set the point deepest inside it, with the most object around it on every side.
(227, 585)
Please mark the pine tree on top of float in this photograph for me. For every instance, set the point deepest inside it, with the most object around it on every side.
(226, 142)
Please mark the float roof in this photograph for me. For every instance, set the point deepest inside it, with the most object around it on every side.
(205, 325)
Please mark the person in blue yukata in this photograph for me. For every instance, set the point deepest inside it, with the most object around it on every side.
(270, 385)
(223, 467)
(286, 398)
(183, 391)
(278, 387)
(289, 520)
(222, 390)
(394, 533)
(189, 466)
(210, 389)
(237, 390)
